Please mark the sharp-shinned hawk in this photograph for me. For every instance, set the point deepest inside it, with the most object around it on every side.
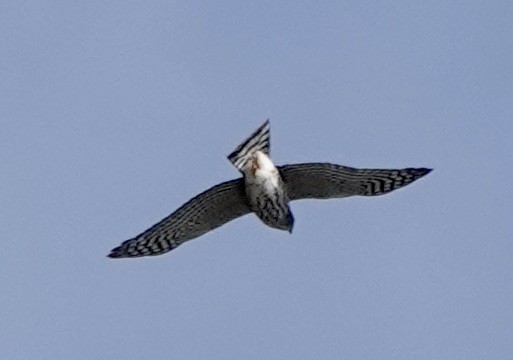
(265, 190)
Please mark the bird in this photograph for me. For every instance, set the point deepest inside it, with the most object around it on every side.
(265, 190)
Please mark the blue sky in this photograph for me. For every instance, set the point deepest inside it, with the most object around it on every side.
(115, 113)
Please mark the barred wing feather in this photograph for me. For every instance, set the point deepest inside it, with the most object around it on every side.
(203, 213)
(324, 180)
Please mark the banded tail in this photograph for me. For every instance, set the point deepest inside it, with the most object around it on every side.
(260, 140)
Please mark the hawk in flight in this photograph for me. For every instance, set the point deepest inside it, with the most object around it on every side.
(264, 189)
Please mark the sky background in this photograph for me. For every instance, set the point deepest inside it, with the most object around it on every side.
(113, 114)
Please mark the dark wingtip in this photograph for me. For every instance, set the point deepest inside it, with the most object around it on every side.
(115, 253)
(425, 171)
(419, 172)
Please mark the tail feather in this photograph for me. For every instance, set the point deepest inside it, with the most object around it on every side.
(260, 140)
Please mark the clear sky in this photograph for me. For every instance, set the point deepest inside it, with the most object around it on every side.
(114, 113)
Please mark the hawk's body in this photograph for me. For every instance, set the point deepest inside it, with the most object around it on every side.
(265, 190)
(267, 194)
(264, 187)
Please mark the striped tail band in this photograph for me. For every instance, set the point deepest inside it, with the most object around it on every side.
(258, 141)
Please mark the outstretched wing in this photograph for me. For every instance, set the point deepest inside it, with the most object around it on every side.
(205, 212)
(324, 180)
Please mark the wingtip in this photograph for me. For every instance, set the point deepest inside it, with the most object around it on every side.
(419, 172)
(115, 253)
(425, 171)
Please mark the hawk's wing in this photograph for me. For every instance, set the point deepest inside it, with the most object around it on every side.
(324, 180)
(205, 212)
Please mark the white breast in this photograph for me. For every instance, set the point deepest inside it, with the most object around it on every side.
(266, 172)
(261, 175)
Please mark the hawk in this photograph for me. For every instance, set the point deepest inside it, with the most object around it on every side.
(263, 189)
